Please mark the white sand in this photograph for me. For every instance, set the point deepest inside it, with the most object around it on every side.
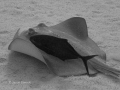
(21, 72)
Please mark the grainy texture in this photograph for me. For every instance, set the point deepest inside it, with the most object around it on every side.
(22, 72)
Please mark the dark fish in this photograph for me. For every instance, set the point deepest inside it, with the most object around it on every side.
(59, 48)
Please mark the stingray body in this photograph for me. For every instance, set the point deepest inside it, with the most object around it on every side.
(64, 48)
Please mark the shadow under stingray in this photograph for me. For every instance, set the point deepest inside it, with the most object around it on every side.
(23, 68)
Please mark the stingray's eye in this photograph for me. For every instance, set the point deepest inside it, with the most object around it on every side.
(31, 31)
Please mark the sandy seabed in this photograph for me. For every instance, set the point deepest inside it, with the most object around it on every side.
(22, 72)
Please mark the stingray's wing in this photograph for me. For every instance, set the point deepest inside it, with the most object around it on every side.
(22, 44)
(75, 26)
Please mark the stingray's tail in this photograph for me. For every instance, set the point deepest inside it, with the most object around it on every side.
(103, 68)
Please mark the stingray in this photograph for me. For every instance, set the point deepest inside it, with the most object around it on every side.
(67, 44)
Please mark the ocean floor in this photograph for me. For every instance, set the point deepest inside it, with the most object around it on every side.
(22, 72)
